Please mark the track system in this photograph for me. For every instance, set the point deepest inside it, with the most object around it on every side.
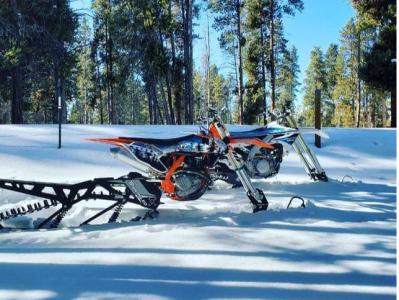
(131, 188)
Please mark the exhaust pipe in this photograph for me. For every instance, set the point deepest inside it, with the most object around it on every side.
(124, 154)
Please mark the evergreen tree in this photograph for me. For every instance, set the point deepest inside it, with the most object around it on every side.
(273, 15)
(315, 79)
(37, 54)
(379, 69)
(342, 93)
(228, 20)
(220, 95)
(287, 79)
(267, 57)
(331, 82)
(85, 74)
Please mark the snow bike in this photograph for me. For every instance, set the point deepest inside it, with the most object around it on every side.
(186, 166)
(183, 168)
(264, 162)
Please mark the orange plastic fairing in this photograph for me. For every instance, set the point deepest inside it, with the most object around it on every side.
(167, 184)
(214, 131)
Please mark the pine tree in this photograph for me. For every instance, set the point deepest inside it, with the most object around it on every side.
(104, 30)
(315, 79)
(228, 20)
(331, 81)
(37, 54)
(84, 81)
(379, 70)
(254, 100)
(266, 53)
(287, 79)
(274, 11)
(342, 93)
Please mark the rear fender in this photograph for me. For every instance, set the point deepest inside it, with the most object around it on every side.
(111, 141)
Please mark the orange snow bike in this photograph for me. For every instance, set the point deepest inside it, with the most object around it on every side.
(183, 168)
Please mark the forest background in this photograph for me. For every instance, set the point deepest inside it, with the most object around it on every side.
(132, 62)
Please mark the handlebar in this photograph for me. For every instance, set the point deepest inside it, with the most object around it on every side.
(278, 115)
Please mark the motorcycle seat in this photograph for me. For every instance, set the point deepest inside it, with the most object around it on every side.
(165, 142)
(261, 131)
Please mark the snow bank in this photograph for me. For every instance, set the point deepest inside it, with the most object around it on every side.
(342, 246)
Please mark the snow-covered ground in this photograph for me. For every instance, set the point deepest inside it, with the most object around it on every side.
(342, 246)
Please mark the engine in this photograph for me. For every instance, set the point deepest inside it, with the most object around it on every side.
(264, 163)
(190, 185)
(189, 181)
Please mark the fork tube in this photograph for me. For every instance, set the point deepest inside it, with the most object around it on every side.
(304, 147)
(299, 151)
(241, 173)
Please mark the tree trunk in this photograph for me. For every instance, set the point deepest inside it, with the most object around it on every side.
(150, 103)
(236, 77)
(166, 100)
(373, 111)
(64, 112)
(107, 75)
(169, 95)
(190, 69)
(17, 97)
(358, 106)
(174, 83)
(187, 46)
(98, 86)
(393, 107)
(17, 100)
(114, 109)
(133, 109)
(240, 72)
(110, 75)
(151, 88)
(384, 112)
(359, 86)
(169, 78)
(57, 89)
(272, 61)
(165, 104)
(263, 73)
(112, 117)
(366, 110)
(158, 109)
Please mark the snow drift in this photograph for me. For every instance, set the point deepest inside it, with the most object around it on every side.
(342, 246)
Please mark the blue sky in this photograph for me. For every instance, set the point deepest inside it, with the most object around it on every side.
(319, 24)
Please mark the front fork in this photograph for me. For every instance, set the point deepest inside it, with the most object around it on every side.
(309, 159)
(256, 196)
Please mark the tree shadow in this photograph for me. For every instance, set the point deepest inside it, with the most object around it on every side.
(98, 281)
